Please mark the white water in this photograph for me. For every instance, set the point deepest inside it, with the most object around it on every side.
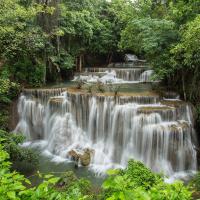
(117, 129)
(116, 75)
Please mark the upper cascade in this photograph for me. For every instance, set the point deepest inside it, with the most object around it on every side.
(117, 73)
(144, 126)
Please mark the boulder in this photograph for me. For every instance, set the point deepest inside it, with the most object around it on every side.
(84, 158)
(74, 155)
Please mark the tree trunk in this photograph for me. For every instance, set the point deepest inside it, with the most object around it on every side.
(58, 45)
(110, 58)
(183, 85)
(69, 43)
(80, 63)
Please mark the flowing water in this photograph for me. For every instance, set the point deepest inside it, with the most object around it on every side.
(116, 75)
(141, 125)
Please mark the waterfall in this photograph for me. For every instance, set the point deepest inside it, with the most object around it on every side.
(146, 76)
(116, 75)
(156, 131)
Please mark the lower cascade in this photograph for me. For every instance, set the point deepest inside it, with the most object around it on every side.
(146, 127)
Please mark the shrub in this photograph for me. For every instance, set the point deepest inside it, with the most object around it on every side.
(4, 120)
(139, 183)
(141, 175)
(196, 182)
(113, 88)
(79, 83)
(18, 154)
(69, 182)
(89, 88)
(14, 185)
(8, 90)
(100, 87)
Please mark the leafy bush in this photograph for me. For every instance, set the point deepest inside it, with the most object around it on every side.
(113, 88)
(11, 183)
(141, 175)
(14, 186)
(79, 83)
(28, 71)
(175, 191)
(64, 60)
(135, 182)
(8, 90)
(70, 183)
(17, 153)
(89, 88)
(100, 87)
(139, 183)
(4, 120)
(196, 182)
(37, 76)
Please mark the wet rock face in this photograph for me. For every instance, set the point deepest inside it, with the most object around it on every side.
(84, 158)
(74, 155)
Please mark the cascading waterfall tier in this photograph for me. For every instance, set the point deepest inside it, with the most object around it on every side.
(145, 127)
(116, 75)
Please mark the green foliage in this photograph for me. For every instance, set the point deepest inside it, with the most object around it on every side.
(79, 83)
(186, 57)
(176, 191)
(89, 88)
(21, 38)
(113, 88)
(4, 119)
(26, 71)
(70, 184)
(196, 182)
(8, 90)
(104, 40)
(188, 51)
(141, 175)
(17, 36)
(167, 34)
(151, 37)
(51, 37)
(182, 12)
(14, 186)
(100, 87)
(138, 182)
(11, 183)
(65, 61)
(120, 185)
(17, 153)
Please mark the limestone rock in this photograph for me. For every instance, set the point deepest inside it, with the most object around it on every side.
(74, 155)
(84, 158)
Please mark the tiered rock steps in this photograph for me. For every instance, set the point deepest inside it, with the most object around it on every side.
(128, 65)
(43, 93)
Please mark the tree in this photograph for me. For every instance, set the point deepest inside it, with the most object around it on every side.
(152, 38)
(186, 58)
(20, 38)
